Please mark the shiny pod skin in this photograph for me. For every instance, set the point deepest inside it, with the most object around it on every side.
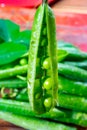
(43, 86)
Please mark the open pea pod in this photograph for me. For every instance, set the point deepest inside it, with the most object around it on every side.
(42, 67)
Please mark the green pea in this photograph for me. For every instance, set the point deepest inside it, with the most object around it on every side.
(23, 61)
(48, 102)
(44, 42)
(44, 32)
(46, 63)
(38, 95)
(47, 84)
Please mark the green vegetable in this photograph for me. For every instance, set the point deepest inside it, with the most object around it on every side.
(62, 54)
(72, 87)
(72, 72)
(55, 114)
(13, 71)
(67, 101)
(33, 123)
(11, 51)
(80, 64)
(65, 86)
(23, 61)
(74, 117)
(22, 95)
(23, 108)
(75, 55)
(13, 83)
(72, 102)
(15, 43)
(43, 45)
(47, 84)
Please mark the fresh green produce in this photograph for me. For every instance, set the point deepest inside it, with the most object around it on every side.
(14, 43)
(72, 72)
(72, 102)
(80, 64)
(72, 87)
(43, 48)
(66, 101)
(23, 108)
(33, 123)
(74, 117)
(13, 83)
(61, 55)
(13, 71)
(20, 66)
(22, 95)
(23, 61)
(74, 54)
(11, 51)
(72, 79)
(55, 114)
(78, 56)
(65, 85)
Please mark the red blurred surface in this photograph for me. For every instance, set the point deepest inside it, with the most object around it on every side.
(71, 27)
(26, 3)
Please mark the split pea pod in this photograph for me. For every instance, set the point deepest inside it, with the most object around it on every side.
(43, 53)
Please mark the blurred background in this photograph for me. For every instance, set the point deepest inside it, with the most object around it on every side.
(71, 17)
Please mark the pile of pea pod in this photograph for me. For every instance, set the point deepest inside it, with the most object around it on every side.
(56, 96)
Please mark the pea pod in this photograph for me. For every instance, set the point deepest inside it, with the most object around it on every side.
(11, 72)
(22, 96)
(56, 114)
(33, 123)
(72, 87)
(43, 45)
(72, 102)
(72, 72)
(13, 83)
(81, 64)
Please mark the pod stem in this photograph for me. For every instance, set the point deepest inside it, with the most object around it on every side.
(44, 1)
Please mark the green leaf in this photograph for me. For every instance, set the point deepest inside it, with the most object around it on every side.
(24, 38)
(8, 30)
(11, 51)
(61, 54)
